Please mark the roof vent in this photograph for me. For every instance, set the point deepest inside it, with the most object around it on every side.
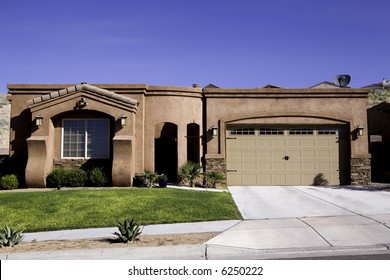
(195, 85)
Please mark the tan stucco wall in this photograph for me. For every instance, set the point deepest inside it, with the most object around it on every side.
(284, 106)
(180, 106)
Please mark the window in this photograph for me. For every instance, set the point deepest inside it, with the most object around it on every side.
(242, 131)
(327, 132)
(301, 131)
(271, 131)
(86, 138)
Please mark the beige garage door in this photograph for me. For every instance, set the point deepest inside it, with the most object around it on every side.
(283, 156)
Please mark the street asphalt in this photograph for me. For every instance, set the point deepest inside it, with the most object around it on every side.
(279, 222)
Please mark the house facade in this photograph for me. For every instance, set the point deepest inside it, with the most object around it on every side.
(258, 136)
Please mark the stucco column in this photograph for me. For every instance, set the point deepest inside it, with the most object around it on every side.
(39, 162)
(123, 165)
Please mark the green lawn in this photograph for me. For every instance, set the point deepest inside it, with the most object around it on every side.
(86, 208)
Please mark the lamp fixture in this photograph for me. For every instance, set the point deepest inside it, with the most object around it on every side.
(214, 130)
(81, 103)
(123, 119)
(38, 120)
(359, 130)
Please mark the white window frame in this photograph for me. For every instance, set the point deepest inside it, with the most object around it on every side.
(85, 138)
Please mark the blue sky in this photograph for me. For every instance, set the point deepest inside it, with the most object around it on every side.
(230, 43)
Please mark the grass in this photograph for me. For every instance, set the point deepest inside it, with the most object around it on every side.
(83, 208)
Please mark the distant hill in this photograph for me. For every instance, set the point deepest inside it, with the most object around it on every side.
(5, 109)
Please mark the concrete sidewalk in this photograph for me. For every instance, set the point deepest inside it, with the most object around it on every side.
(280, 222)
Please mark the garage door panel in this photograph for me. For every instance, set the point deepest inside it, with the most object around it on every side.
(279, 179)
(248, 143)
(278, 154)
(234, 179)
(264, 179)
(294, 143)
(235, 154)
(308, 142)
(249, 179)
(264, 143)
(235, 166)
(249, 166)
(308, 154)
(279, 166)
(278, 143)
(265, 166)
(263, 154)
(324, 166)
(248, 154)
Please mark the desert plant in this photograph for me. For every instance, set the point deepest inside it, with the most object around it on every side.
(9, 182)
(10, 236)
(189, 172)
(97, 177)
(150, 178)
(129, 231)
(214, 177)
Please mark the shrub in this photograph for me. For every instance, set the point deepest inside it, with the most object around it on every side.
(61, 177)
(10, 236)
(214, 177)
(57, 177)
(9, 182)
(189, 172)
(97, 177)
(128, 231)
(76, 178)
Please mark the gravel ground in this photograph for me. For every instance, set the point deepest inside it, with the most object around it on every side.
(144, 241)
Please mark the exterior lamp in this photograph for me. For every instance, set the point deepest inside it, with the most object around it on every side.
(123, 119)
(359, 130)
(214, 130)
(38, 120)
(81, 103)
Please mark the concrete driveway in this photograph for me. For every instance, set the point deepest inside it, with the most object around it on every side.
(305, 219)
(262, 202)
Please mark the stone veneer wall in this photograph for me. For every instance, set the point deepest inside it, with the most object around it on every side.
(68, 163)
(360, 171)
(215, 164)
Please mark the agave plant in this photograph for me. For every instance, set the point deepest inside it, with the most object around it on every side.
(10, 236)
(129, 230)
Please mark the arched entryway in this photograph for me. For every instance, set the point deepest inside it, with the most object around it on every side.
(165, 143)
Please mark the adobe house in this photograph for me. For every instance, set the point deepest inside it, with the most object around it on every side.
(258, 136)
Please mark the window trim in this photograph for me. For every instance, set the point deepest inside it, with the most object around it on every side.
(85, 138)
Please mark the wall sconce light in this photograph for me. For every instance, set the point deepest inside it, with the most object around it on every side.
(81, 103)
(38, 120)
(123, 119)
(359, 130)
(214, 130)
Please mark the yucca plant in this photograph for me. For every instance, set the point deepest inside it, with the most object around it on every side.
(189, 172)
(129, 230)
(214, 177)
(10, 236)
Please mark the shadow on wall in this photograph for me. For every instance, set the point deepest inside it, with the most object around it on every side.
(320, 180)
